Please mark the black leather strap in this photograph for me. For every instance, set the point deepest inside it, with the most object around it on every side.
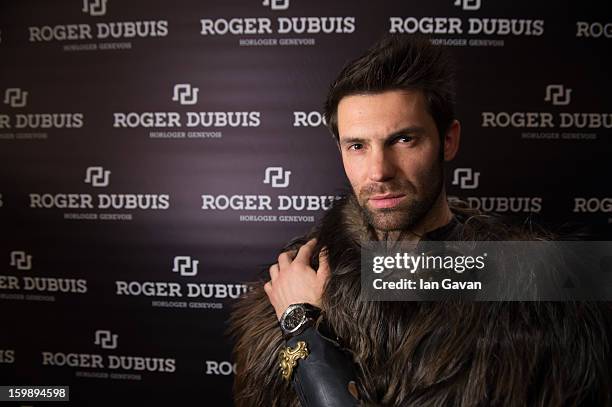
(322, 379)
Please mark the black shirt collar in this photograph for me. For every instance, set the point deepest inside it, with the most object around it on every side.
(450, 231)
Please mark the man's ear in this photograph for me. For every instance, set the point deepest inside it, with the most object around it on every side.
(451, 140)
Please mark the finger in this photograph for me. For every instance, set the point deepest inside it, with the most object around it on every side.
(323, 272)
(283, 261)
(274, 271)
(305, 252)
(268, 287)
(292, 253)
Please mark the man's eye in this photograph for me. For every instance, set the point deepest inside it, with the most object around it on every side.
(404, 139)
(356, 146)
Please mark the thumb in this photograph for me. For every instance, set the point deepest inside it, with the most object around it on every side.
(323, 272)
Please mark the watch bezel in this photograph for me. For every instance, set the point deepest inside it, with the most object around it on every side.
(291, 308)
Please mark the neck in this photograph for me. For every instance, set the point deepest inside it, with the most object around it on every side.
(438, 216)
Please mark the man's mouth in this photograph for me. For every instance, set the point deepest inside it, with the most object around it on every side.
(386, 200)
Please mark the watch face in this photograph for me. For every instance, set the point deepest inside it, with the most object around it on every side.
(294, 318)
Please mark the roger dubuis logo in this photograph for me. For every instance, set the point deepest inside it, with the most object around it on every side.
(468, 5)
(105, 339)
(97, 176)
(185, 94)
(94, 8)
(15, 97)
(20, 260)
(558, 95)
(277, 177)
(185, 266)
(276, 4)
(466, 178)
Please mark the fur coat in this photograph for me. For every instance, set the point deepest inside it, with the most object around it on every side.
(428, 353)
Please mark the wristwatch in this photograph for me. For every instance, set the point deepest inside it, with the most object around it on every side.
(298, 317)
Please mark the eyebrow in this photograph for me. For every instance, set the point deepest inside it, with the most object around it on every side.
(414, 130)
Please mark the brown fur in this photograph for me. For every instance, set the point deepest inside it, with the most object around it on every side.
(432, 354)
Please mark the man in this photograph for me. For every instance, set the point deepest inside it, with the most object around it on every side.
(391, 112)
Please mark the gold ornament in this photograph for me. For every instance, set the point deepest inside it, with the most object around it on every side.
(288, 358)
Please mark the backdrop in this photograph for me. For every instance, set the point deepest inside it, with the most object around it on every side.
(156, 155)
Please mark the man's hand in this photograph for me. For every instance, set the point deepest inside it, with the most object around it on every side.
(294, 281)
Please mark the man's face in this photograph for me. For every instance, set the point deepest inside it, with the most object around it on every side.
(391, 155)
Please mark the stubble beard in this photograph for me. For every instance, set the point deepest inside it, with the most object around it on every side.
(410, 212)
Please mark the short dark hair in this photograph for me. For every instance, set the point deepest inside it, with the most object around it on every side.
(398, 63)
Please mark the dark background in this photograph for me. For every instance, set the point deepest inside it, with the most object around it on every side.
(275, 81)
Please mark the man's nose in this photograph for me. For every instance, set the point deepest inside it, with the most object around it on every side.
(380, 166)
